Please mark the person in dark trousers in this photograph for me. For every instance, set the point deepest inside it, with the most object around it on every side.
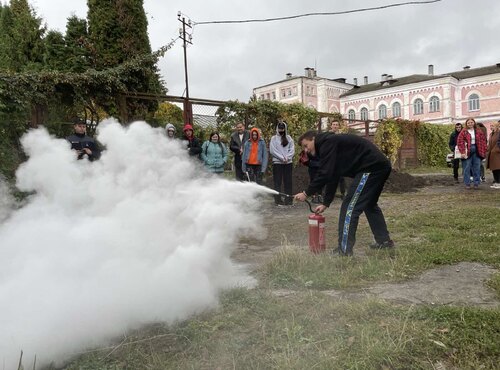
(83, 145)
(254, 158)
(452, 143)
(335, 128)
(355, 157)
(483, 128)
(193, 145)
(236, 143)
(282, 150)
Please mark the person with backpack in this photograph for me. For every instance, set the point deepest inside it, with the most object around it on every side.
(214, 154)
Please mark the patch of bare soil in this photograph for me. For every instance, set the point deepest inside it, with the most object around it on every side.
(456, 285)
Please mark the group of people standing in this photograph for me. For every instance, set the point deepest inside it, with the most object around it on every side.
(251, 157)
(471, 147)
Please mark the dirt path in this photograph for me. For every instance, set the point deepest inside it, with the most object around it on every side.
(461, 284)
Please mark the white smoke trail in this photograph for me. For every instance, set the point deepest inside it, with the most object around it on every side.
(103, 247)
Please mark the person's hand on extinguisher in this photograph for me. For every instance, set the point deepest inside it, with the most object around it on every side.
(302, 196)
(320, 209)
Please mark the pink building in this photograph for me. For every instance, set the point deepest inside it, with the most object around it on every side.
(445, 98)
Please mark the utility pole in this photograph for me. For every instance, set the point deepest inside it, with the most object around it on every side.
(187, 39)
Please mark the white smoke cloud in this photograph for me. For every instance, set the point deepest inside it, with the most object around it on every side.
(139, 236)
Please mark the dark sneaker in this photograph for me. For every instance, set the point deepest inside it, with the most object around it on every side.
(338, 252)
(386, 244)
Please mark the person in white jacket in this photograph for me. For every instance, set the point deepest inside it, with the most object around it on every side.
(282, 150)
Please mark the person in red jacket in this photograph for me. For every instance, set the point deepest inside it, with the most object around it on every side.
(471, 143)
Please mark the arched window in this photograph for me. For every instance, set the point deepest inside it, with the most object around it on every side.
(364, 114)
(382, 112)
(434, 104)
(473, 102)
(418, 106)
(396, 109)
(351, 115)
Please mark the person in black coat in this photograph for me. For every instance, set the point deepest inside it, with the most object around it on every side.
(355, 157)
(452, 143)
(83, 145)
(192, 143)
(236, 143)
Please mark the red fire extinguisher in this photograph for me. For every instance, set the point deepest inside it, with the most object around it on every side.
(317, 241)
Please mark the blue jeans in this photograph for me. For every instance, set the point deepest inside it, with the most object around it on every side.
(471, 166)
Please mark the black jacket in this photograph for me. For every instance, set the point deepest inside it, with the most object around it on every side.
(193, 145)
(343, 156)
(236, 144)
(81, 141)
(453, 140)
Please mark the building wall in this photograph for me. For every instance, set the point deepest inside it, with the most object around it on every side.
(453, 95)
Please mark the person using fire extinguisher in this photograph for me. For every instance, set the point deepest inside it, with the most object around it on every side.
(355, 157)
(254, 158)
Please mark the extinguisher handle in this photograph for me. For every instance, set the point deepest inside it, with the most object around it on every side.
(310, 207)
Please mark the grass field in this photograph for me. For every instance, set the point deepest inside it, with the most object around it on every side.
(306, 328)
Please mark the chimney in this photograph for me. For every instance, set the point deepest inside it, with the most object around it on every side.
(389, 77)
(383, 77)
(466, 67)
(430, 70)
(365, 78)
(307, 72)
(355, 81)
(288, 75)
(313, 72)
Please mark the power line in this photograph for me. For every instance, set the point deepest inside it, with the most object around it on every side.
(320, 13)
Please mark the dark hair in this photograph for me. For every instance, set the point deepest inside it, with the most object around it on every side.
(284, 139)
(308, 135)
(218, 142)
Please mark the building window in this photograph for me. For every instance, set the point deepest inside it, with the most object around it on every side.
(418, 106)
(396, 109)
(364, 114)
(351, 115)
(283, 93)
(473, 102)
(294, 91)
(262, 97)
(274, 95)
(308, 91)
(434, 104)
(289, 92)
(382, 112)
(312, 91)
(268, 96)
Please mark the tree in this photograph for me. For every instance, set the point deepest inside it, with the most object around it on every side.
(77, 45)
(55, 53)
(168, 113)
(21, 43)
(118, 32)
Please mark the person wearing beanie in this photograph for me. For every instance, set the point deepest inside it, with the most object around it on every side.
(254, 159)
(170, 129)
(282, 150)
(192, 144)
(83, 145)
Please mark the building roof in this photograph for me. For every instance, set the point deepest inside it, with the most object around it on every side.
(400, 81)
(316, 78)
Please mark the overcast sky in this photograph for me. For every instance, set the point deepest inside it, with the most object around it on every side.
(226, 61)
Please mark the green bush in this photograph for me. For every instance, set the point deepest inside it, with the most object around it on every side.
(432, 143)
